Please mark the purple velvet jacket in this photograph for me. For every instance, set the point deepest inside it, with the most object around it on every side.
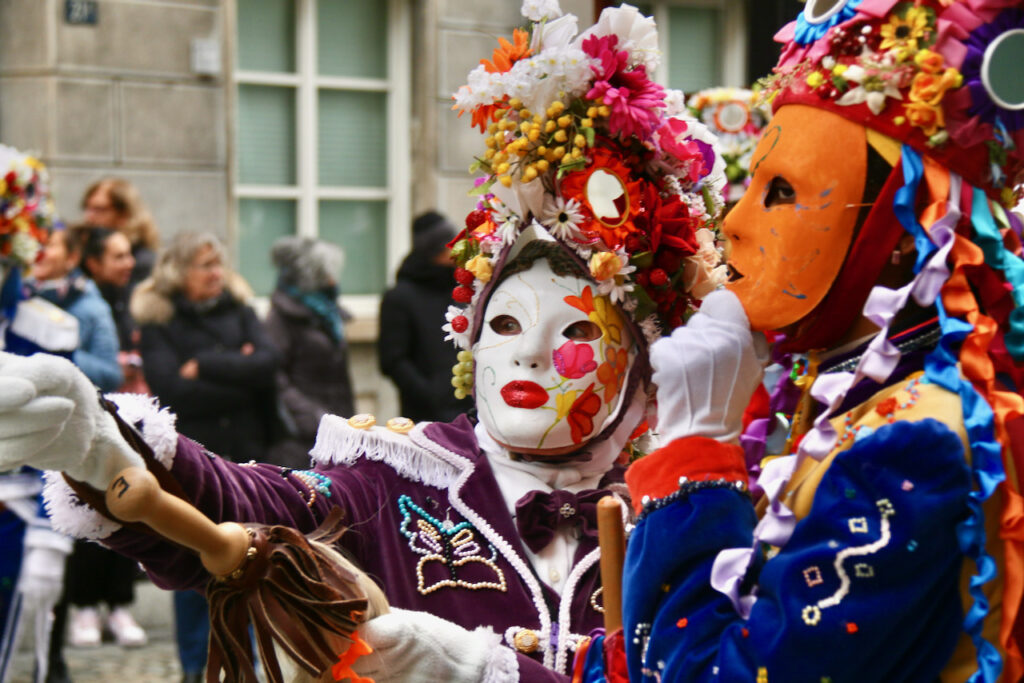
(427, 521)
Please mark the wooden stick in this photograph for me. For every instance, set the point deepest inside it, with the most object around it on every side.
(612, 537)
(135, 496)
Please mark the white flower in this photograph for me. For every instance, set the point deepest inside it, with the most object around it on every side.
(617, 287)
(638, 35)
(508, 223)
(539, 10)
(24, 248)
(558, 73)
(461, 339)
(562, 218)
(675, 103)
(554, 34)
(872, 89)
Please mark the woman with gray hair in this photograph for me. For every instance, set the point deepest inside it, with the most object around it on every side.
(307, 326)
(206, 357)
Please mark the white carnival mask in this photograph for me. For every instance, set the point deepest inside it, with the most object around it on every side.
(552, 362)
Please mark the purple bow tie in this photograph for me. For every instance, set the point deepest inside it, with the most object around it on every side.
(540, 514)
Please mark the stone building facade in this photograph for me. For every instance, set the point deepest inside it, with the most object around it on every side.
(176, 95)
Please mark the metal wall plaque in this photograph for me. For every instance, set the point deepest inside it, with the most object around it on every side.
(81, 12)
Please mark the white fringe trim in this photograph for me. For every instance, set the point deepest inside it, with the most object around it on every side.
(338, 443)
(156, 424)
(69, 515)
(502, 666)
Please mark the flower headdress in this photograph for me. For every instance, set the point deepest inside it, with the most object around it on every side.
(26, 211)
(939, 75)
(936, 84)
(737, 117)
(580, 142)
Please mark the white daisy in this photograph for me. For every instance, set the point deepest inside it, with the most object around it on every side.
(617, 287)
(562, 218)
(460, 339)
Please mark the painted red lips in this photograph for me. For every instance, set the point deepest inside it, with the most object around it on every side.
(528, 395)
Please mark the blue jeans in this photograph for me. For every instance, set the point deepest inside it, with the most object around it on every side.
(192, 629)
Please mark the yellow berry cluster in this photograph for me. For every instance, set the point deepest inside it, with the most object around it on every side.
(462, 372)
(534, 142)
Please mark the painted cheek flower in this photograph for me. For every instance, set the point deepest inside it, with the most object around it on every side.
(563, 403)
(573, 361)
(606, 316)
(612, 372)
(584, 302)
(581, 414)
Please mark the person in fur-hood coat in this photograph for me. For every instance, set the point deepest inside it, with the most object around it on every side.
(204, 352)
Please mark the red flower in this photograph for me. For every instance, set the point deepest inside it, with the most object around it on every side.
(573, 360)
(581, 414)
(886, 407)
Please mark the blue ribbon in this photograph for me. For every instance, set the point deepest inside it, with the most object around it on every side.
(806, 32)
(988, 237)
(986, 453)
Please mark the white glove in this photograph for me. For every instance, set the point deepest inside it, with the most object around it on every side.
(50, 419)
(707, 371)
(417, 646)
(42, 577)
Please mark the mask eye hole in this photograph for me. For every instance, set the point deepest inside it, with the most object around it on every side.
(779, 192)
(582, 331)
(505, 325)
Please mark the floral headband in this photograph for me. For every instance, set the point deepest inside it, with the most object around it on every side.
(580, 142)
(939, 75)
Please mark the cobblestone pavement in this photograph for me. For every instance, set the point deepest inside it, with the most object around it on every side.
(157, 662)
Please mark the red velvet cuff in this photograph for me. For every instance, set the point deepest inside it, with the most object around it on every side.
(697, 458)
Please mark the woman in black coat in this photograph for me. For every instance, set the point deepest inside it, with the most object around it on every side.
(411, 345)
(307, 326)
(204, 353)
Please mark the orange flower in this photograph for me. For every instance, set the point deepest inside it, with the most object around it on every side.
(612, 372)
(507, 54)
(929, 62)
(584, 302)
(576, 186)
(930, 88)
(924, 116)
(604, 264)
(582, 412)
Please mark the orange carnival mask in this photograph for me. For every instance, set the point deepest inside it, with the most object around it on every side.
(790, 234)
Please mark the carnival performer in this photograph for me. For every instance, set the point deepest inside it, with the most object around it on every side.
(886, 544)
(32, 564)
(592, 235)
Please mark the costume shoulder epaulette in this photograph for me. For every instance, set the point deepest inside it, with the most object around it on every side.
(341, 441)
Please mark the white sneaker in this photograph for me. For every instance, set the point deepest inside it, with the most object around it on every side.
(126, 631)
(85, 627)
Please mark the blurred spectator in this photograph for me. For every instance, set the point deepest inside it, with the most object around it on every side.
(307, 326)
(95, 574)
(107, 259)
(205, 356)
(411, 345)
(116, 203)
(57, 278)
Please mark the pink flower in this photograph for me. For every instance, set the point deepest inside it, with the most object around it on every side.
(633, 98)
(572, 360)
(672, 139)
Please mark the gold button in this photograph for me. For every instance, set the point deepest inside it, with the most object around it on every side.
(526, 641)
(400, 425)
(362, 421)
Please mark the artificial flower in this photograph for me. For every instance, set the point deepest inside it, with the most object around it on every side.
(704, 272)
(874, 86)
(581, 414)
(637, 35)
(481, 268)
(507, 54)
(627, 203)
(617, 286)
(929, 62)
(563, 217)
(930, 88)
(634, 99)
(572, 360)
(604, 265)
(904, 34)
(925, 116)
(541, 10)
(460, 339)
(685, 152)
